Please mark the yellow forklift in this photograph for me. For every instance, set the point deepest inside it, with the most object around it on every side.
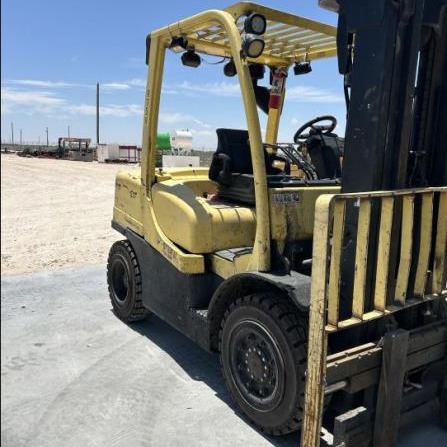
(315, 268)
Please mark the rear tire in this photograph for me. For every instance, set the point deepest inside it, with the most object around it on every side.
(263, 353)
(124, 283)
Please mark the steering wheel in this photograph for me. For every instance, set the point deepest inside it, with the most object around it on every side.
(312, 124)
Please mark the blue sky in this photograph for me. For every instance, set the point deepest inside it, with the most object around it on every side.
(54, 52)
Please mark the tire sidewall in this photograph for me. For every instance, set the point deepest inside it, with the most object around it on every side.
(291, 374)
(119, 254)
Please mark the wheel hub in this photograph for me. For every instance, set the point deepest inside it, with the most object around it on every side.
(255, 364)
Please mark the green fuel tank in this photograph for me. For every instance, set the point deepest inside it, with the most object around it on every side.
(163, 142)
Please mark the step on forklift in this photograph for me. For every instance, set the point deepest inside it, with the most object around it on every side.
(316, 269)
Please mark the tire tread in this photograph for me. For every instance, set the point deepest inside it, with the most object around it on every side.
(294, 327)
(139, 312)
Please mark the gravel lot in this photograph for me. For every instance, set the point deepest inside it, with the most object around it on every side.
(55, 213)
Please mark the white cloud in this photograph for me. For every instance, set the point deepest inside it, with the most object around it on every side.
(107, 86)
(108, 110)
(201, 123)
(40, 83)
(215, 88)
(311, 94)
(171, 118)
(185, 88)
(124, 85)
(32, 100)
(299, 93)
(169, 91)
(137, 82)
(115, 86)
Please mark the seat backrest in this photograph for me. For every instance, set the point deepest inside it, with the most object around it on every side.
(234, 143)
(233, 156)
(325, 152)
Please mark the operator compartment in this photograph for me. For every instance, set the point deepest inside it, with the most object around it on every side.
(292, 198)
(206, 211)
(190, 214)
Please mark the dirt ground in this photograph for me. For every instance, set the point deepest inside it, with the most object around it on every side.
(55, 213)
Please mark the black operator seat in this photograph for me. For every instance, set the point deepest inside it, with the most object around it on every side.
(325, 150)
(231, 168)
(233, 157)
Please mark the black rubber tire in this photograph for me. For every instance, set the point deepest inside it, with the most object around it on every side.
(282, 334)
(124, 283)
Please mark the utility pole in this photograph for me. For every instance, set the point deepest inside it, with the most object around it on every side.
(46, 130)
(12, 133)
(68, 131)
(97, 113)
(20, 137)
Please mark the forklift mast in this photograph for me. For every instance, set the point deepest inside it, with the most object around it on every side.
(393, 55)
(381, 250)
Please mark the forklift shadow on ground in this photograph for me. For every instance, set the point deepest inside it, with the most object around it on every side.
(201, 366)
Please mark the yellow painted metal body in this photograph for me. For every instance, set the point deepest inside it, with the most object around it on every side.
(134, 210)
(292, 212)
(129, 201)
(188, 216)
(226, 268)
(199, 224)
(171, 211)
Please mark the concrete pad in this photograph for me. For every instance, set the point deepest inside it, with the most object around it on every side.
(74, 375)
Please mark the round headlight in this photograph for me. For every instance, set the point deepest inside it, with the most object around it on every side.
(252, 46)
(255, 24)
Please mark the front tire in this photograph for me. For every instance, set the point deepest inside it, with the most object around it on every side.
(263, 354)
(124, 283)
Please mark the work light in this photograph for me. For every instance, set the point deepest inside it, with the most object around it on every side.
(252, 46)
(191, 59)
(230, 69)
(302, 68)
(178, 44)
(255, 24)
